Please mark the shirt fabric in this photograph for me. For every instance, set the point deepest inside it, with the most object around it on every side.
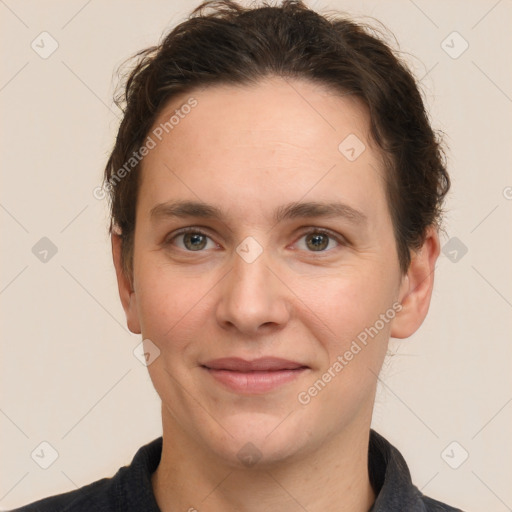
(130, 488)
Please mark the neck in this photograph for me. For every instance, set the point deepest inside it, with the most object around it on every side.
(333, 478)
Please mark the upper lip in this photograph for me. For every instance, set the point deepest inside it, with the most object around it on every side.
(261, 364)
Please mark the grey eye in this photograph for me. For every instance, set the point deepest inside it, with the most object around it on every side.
(194, 241)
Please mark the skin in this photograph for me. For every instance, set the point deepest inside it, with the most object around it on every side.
(249, 150)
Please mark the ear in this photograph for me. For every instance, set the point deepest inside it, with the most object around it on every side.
(416, 287)
(126, 293)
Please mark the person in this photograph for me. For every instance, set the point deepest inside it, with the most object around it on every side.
(276, 197)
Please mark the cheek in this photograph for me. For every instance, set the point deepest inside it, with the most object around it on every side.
(174, 304)
(352, 307)
(162, 300)
(354, 348)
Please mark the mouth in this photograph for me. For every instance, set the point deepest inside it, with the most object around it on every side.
(254, 377)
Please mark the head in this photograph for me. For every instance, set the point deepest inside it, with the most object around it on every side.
(253, 113)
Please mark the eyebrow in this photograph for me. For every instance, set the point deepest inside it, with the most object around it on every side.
(296, 210)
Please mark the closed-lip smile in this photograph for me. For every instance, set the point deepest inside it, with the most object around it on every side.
(262, 364)
(256, 376)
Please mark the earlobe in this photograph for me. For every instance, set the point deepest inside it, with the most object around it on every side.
(416, 287)
(124, 284)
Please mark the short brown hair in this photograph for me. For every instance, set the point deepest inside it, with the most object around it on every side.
(223, 42)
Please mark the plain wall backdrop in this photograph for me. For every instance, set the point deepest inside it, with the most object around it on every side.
(68, 373)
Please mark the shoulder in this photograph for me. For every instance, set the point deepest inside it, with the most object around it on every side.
(432, 505)
(129, 489)
(95, 496)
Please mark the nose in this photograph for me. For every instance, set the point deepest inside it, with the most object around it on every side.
(254, 297)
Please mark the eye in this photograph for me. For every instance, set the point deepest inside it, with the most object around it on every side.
(317, 240)
(193, 239)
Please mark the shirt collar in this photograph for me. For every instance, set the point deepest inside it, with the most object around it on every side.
(390, 478)
(388, 473)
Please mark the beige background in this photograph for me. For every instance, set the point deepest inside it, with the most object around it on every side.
(68, 374)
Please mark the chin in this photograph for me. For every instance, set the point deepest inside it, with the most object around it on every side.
(259, 440)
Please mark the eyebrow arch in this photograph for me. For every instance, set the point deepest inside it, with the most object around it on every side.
(296, 210)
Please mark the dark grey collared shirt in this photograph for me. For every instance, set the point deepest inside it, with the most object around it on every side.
(130, 488)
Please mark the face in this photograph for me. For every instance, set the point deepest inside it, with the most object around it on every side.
(257, 275)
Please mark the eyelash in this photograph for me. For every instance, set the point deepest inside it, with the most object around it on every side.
(338, 238)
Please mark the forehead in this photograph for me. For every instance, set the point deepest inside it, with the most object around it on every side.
(278, 137)
(272, 110)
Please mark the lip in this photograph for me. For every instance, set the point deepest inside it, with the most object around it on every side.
(237, 364)
(256, 376)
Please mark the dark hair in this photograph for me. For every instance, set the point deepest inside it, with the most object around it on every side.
(224, 43)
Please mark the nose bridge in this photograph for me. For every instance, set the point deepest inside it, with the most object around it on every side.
(252, 294)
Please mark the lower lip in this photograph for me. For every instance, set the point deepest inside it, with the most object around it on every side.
(255, 382)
